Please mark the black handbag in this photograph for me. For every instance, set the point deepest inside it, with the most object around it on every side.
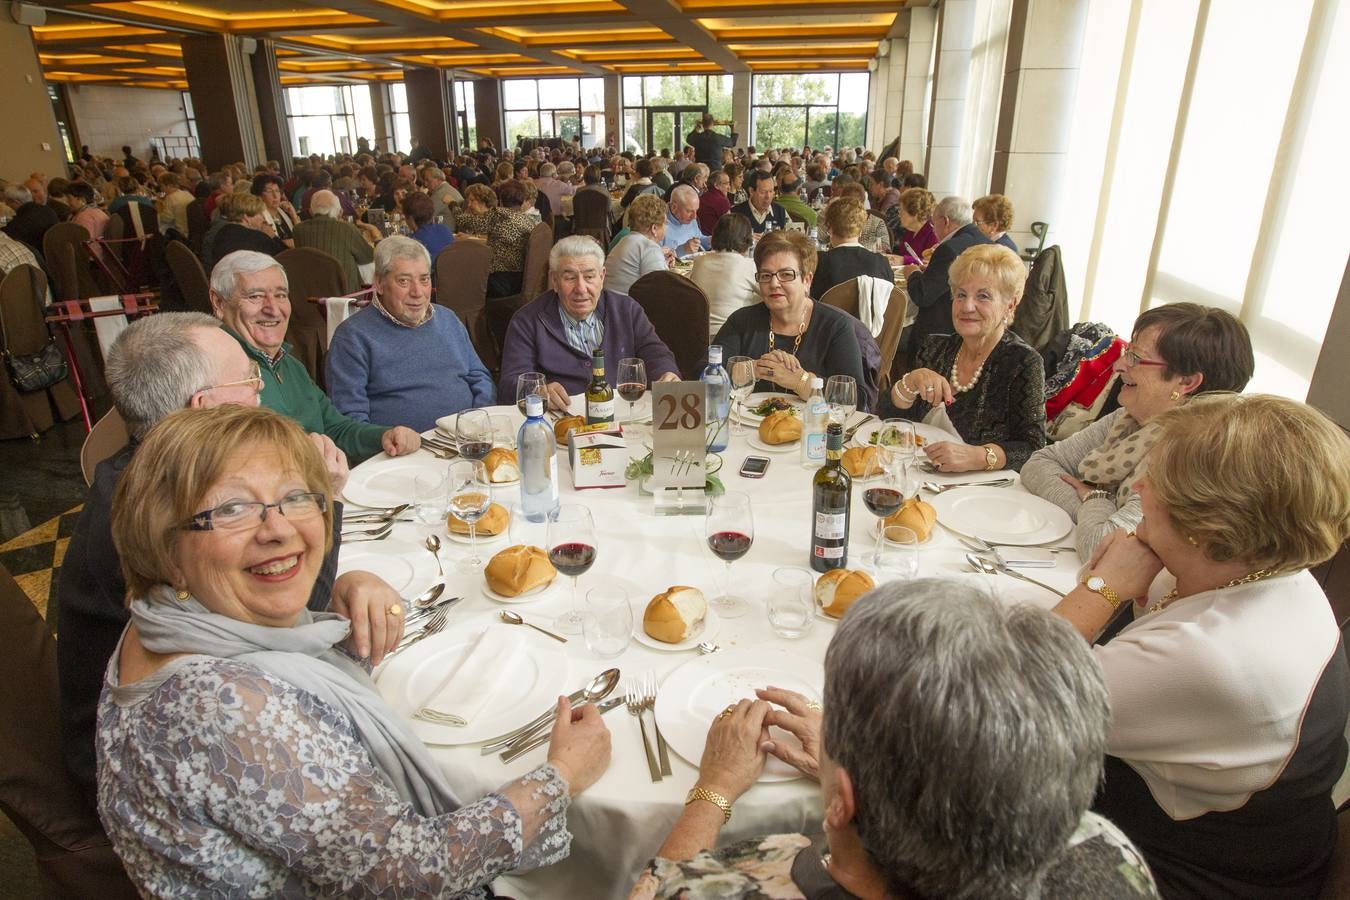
(33, 372)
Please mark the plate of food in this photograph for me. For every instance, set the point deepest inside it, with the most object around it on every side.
(677, 619)
(518, 574)
(760, 405)
(779, 431)
(873, 432)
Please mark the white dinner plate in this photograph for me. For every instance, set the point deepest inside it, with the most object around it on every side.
(407, 568)
(388, 481)
(929, 433)
(755, 399)
(704, 631)
(755, 442)
(1001, 515)
(527, 597)
(406, 681)
(691, 696)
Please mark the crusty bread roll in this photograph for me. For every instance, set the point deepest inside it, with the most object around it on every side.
(672, 617)
(501, 465)
(518, 569)
(566, 424)
(856, 459)
(780, 428)
(494, 521)
(915, 515)
(837, 589)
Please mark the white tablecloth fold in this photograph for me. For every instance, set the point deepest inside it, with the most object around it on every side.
(469, 688)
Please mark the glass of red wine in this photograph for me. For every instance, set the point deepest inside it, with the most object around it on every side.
(632, 383)
(883, 492)
(731, 531)
(571, 549)
(473, 429)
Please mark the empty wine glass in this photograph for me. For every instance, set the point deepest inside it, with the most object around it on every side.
(730, 530)
(741, 371)
(528, 383)
(571, 549)
(897, 554)
(899, 434)
(470, 496)
(841, 394)
(473, 430)
(632, 383)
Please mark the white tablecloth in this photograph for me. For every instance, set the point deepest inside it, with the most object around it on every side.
(620, 822)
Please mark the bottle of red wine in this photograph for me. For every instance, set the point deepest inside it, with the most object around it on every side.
(831, 497)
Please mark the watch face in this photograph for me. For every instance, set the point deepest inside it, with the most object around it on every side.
(1096, 583)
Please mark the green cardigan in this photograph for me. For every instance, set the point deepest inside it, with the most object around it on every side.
(288, 389)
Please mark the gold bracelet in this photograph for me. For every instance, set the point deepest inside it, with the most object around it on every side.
(716, 799)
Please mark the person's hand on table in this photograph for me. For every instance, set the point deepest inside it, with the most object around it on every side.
(732, 756)
(909, 270)
(334, 461)
(953, 456)
(669, 376)
(800, 718)
(579, 745)
(400, 441)
(780, 367)
(367, 601)
(1081, 488)
(1127, 564)
(558, 398)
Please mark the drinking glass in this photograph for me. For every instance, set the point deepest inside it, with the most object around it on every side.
(430, 497)
(608, 622)
(897, 554)
(528, 383)
(730, 530)
(841, 394)
(882, 494)
(503, 432)
(632, 383)
(522, 530)
(473, 430)
(900, 437)
(791, 602)
(470, 496)
(571, 549)
(741, 371)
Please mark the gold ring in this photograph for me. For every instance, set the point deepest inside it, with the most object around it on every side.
(726, 712)
(1129, 534)
(395, 610)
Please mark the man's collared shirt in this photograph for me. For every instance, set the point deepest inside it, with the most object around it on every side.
(678, 234)
(583, 334)
(431, 311)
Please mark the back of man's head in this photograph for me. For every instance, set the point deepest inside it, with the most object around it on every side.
(325, 203)
(156, 365)
(956, 210)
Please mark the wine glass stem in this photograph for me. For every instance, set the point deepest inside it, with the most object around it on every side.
(726, 592)
(473, 543)
(575, 608)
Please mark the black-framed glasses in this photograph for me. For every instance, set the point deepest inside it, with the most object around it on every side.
(236, 515)
(783, 275)
(254, 378)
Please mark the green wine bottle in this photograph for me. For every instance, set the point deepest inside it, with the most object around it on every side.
(831, 499)
(599, 395)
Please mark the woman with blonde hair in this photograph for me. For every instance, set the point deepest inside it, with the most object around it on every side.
(993, 215)
(1229, 689)
(916, 209)
(847, 258)
(639, 251)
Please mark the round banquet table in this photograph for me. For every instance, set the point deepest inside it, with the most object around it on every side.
(619, 823)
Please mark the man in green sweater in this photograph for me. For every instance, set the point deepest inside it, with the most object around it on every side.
(788, 198)
(249, 294)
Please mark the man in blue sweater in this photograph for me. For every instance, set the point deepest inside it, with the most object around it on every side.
(403, 359)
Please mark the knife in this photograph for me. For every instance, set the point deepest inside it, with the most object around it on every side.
(604, 707)
(502, 740)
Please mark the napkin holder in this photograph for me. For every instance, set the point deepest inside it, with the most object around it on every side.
(598, 458)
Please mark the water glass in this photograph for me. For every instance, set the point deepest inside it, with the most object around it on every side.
(792, 602)
(528, 383)
(607, 623)
(741, 371)
(841, 394)
(430, 496)
(897, 554)
(503, 432)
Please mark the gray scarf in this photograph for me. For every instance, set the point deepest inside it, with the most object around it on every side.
(304, 656)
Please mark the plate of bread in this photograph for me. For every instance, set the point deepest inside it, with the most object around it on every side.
(564, 425)
(518, 574)
(916, 515)
(778, 432)
(677, 619)
(491, 527)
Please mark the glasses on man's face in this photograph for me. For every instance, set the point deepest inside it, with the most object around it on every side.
(254, 378)
(783, 275)
(1133, 359)
(255, 299)
(237, 515)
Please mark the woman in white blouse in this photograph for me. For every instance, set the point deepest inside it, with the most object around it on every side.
(639, 251)
(726, 274)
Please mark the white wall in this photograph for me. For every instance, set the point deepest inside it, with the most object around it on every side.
(32, 143)
(107, 117)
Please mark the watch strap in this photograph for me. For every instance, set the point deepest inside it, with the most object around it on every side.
(716, 799)
(1104, 591)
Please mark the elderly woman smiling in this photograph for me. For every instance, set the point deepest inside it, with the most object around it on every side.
(241, 752)
(989, 382)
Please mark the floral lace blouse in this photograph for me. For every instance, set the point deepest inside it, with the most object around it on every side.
(217, 779)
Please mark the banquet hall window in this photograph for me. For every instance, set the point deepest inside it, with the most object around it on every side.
(554, 107)
(640, 92)
(327, 119)
(465, 117)
(817, 109)
(398, 117)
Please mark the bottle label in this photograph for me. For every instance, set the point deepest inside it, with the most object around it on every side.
(815, 446)
(828, 552)
(599, 412)
(831, 526)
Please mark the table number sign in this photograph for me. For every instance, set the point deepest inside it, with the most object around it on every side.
(679, 439)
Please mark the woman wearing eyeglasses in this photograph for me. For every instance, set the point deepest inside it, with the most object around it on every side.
(791, 337)
(242, 750)
(1177, 351)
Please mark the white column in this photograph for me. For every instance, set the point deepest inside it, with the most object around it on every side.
(613, 110)
(740, 105)
(886, 94)
(917, 68)
(955, 34)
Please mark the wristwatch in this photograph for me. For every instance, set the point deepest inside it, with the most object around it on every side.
(990, 458)
(806, 377)
(712, 797)
(1097, 585)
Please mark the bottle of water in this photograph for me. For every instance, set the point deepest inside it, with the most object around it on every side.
(815, 418)
(718, 409)
(538, 463)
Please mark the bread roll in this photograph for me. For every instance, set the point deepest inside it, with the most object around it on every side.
(501, 465)
(518, 569)
(780, 428)
(915, 515)
(837, 589)
(856, 459)
(672, 617)
(494, 521)
(566, 424)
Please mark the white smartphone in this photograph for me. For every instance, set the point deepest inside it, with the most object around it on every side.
(1027, 557)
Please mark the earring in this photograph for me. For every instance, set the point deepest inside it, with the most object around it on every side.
(1190, 539)
(1176, 395)
(182, 594)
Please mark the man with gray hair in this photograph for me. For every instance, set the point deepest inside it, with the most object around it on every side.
(403, 358)
(443, 194)
(158, 365)
(351, 245)
(552, 187)
(32, 216)
(928, 289)
(958, 750)
(682, 232)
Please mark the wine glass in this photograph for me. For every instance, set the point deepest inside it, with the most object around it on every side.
(632, 383)
(528, 383)
(571, 549)
(899, 435)
(841, 394)
(897, 555)
(731, 530)
(741, 371)
(473, 429)
(470, 496)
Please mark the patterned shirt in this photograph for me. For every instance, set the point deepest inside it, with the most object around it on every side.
(583, 334)
(14, 253)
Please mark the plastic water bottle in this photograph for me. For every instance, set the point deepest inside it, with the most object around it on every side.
(815, 418)
(718, 409)
(538, 463)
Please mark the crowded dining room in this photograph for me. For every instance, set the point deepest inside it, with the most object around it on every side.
(861, 449)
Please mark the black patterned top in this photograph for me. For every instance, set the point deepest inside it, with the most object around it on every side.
(1005, 407)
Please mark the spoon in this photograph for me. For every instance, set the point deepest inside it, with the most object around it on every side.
(427, 597)
(434, 545)
(511, 618)
(933, 487)
(989, 567)
(708, 647)
(598, 689)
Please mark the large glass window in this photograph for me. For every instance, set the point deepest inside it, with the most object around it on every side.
(659, 110)
(827, 109)
(554, 108)
(328, 119)
(467, 121)
(398, 117)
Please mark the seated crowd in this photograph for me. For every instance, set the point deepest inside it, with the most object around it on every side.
(1173, 727)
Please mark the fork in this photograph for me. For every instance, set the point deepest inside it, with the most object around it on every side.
(378, 531)
(649, 701)
(434, 625)
(635, 702)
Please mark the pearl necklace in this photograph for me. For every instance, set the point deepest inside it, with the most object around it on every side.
(962, 388)
(1258, 575)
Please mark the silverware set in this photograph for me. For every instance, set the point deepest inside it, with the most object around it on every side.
(434, 625)
(440, 448)
(851, 430)
(933, 487)
(514, 742)
(640, 697)
(372, 524)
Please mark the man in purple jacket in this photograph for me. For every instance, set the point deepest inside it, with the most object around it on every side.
(556, 332)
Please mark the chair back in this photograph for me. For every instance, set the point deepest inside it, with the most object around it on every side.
(889, 340)
(63, 248)
(22, 293)
(843, 296)
(461, 285)
(590, 215)
(678, 310)
(197, 222)
(310, 273)
(74, 858)
(191, 277)
(534, 281)
(108, 435)
(1044, 310)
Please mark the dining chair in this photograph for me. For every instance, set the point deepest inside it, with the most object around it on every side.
(678, 310)
(533, 282)
(23, 332)
(892, 326)
(68, 261)
(461, 285)
(198, 223)
(843, 295)
(190, 276)
(107, 436)
(590, 215)
(310, 273)
(1044, 309)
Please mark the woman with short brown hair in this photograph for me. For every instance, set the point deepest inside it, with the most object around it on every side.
(993, 215)
(916, 210)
